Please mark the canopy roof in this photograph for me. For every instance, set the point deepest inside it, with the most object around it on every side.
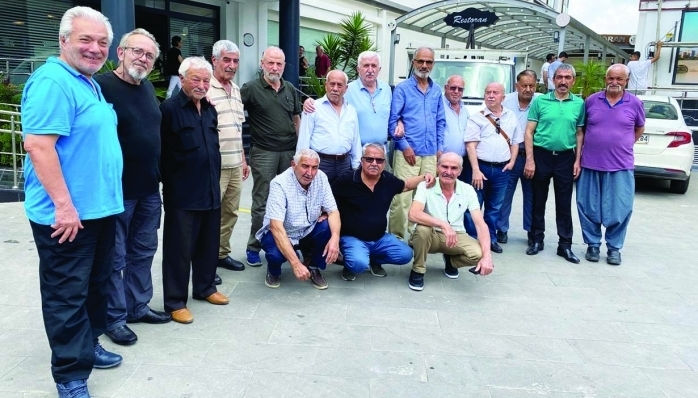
(523, 25)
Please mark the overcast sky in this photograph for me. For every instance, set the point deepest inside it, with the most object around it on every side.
(607, 16)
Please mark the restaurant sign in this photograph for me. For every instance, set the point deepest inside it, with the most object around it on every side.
(471, 17)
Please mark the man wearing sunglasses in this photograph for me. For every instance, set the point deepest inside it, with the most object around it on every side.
(363, 198)
(493, 136)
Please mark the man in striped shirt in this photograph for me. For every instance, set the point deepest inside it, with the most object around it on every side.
(225, 94)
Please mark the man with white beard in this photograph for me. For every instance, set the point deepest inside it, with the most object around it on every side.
(127, 88)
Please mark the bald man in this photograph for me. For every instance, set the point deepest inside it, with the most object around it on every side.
(492, 137)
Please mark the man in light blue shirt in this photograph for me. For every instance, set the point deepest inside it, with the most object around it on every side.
(333, 130)
(518, 102)
(418, 103)
(456, 115)
(553, 67)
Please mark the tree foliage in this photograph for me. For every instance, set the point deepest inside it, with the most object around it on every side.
(590, 78)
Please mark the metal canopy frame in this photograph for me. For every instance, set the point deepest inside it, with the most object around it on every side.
(523, 25)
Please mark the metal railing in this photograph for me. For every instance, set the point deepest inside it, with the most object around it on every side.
(12, 118)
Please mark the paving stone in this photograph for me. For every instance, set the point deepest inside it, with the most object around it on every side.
(629, 354)
(267, 384)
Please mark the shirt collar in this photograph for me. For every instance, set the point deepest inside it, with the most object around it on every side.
(414, 81)
(447, 103)
(183, 100)
(624, 98)
(265, 84)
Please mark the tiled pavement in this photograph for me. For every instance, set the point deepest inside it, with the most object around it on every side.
(536, 327)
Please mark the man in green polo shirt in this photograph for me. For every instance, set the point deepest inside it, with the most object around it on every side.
(273, 110)
(553, 148)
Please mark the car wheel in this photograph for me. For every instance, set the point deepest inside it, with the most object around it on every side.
(678, 186)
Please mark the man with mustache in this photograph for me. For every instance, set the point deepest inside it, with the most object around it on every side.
(133, 97)
(606, 186)
(553, 149)
(333, 130)
(438, 214)
(492, 138)
(73, 194)
(518, 102)
(363, 198)
(225, 94)
(273, 110)
(418, 103)
(301, 215)
(191, 171)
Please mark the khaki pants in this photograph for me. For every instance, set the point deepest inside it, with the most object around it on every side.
(231, 186)
(425, 240)
(397, 222)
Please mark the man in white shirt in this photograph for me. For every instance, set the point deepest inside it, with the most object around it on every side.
(639, 69)
(333, 130)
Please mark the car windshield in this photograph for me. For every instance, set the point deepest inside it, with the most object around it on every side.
(477, 75)
(659, 110)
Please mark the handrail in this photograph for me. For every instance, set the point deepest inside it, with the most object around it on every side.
(14, 130)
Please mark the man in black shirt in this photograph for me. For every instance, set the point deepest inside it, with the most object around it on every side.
(191, 170)
(363, 199)
(172, 62)
(273, 111)
(127, 88)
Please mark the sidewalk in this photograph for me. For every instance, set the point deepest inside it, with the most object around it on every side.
(537, 327)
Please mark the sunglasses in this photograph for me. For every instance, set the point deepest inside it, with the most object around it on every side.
(499, 126)
(369, 160)
(456, 88)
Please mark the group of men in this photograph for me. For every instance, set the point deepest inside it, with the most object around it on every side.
(320, 188)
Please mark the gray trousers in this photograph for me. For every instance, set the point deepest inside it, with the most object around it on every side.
(265, 166)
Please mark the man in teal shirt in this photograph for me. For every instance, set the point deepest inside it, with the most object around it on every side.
(553, 148)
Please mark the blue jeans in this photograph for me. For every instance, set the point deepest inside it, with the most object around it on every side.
(492, 195)
(515, 175)
(314, 244)
(359, 254)
(130, 286)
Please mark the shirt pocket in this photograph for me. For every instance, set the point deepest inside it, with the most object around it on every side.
(187, 139)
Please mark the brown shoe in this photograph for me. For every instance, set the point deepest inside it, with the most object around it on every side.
(216, 298)
(272, 281)
(317, 279)
(182, 316)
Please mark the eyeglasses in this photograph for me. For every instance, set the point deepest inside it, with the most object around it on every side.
(423, 61)
(456, 88)
(369, 160)
(139, 52)
(499, 127)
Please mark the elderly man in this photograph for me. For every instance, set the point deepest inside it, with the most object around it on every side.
(127, 88)
(639, 70)
(606, 186)
(274, 111)
(370, 97)
(225, 94)
(518, 102)
(456, 115)
(322, 62)
(301, 215)
(69, 128)
(438, 214)
(492, 138)
(332, 131)
(418, 103)
(553, 149)
(363, 198)
(191, 170)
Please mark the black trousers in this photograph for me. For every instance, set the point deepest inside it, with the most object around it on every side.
(73, 281)
(189, 237)
(560, 167)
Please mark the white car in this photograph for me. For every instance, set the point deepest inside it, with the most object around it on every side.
(665, 150)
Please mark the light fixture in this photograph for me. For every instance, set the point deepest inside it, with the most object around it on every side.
(18, 23)
(397, 39)
(556, 36)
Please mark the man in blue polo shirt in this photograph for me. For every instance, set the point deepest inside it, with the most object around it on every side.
(73, 192)
(363, 198)
(553, 149)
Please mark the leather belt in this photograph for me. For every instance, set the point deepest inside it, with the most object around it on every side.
(493, 164)
(333, 157)
(555, 153)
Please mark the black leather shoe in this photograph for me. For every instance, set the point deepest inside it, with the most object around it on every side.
(122, 335)
(105, 359)
(217, 280)
(592, 254)
(613, 257)
(502, 237)
(153, 317)
(494, 246)
(231, 264)
(568, 255)
(534, 248)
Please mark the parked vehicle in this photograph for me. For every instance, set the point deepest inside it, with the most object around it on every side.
(665, 150)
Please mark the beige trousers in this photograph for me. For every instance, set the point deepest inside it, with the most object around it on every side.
(397, 218)
(425, 240)
(231, 187)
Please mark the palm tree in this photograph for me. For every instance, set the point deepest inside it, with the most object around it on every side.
(590, 78)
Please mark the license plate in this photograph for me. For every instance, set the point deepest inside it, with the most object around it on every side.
(644, 139)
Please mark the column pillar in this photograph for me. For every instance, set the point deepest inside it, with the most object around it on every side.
(122, 16)
(289, 37)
